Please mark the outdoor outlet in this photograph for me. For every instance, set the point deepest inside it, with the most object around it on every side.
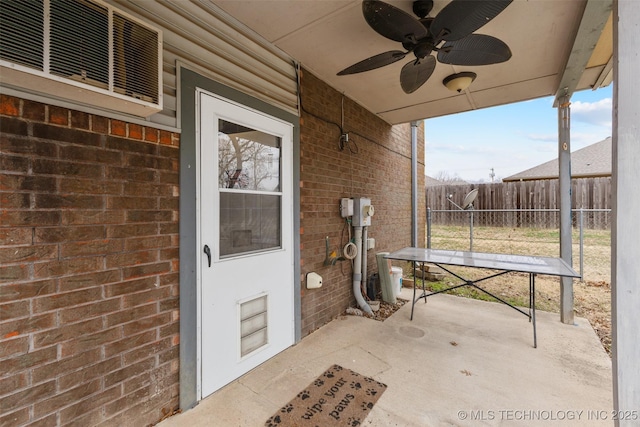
(314, 280)
(371, 243)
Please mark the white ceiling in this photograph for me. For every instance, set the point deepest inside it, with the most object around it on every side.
(326, 36)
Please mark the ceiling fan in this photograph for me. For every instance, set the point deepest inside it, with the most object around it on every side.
(454, 26)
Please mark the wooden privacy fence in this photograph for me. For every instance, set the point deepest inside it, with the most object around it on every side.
(522, 203)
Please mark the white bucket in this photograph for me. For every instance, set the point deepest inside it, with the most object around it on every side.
(396, 279)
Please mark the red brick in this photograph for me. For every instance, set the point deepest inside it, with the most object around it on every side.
(15, 418)
(67, 267)
(146, 270)
(92, 418)
(68, 201)
(141, 298)
(10, 163)
(13, 273)
(149, 216)
(146, 323)
(130, 146)
(83, 216)
(67, 332)
(131, 230)
(15, 200)
(13, 347)
(74, 314)
(66, 234)
(28, 253)
(118, 128)
(128, 372)
(92, 247)
(89, 280)
(129, 258)
(79, 120)
(165, 137)
(132, 203)
(9, 105)
(59, 367)
(15, 236)
(32, 110)
(89, 372)
(14, 310)
(13, 383)
(61, 400)
(131, 174)
(88, 186)
(149, 350)
(58, 115)
(46, 421)
(79, 409)
(88, 341)
(16, 291)
(66, 299)
(27, 325)
(27, 218)
(151, 134)
(136, 313)
(28, 360)
(129, 342)
(27, 183)
(55, 167)
(58, 133)
(100, 124)
(135, 131)
(90, 154)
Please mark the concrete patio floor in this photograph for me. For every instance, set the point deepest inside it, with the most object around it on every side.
(460, 362)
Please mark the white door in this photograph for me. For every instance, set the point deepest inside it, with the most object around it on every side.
(246, 240)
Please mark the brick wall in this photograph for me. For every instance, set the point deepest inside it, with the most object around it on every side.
(379, 170)
(88, 268)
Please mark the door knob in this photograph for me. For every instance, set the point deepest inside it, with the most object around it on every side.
(208, 252)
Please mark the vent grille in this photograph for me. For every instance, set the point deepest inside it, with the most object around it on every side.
(253, 325)
(85, 43)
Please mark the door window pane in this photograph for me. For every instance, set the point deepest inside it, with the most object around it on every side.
(249, 223)
(247, 159)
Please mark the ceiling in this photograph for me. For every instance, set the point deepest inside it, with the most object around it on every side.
(558, 47)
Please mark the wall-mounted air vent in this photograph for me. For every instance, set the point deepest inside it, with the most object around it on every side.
(81, 50)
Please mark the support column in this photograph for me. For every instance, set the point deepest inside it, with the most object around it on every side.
(625, 229)
(414, 184)
(564, 163)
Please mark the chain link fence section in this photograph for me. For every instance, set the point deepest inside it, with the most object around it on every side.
(527, 232)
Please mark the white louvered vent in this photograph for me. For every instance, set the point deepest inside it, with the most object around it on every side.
(81, 50)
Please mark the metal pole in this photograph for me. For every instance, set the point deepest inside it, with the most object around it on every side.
(429, 228)
(414, 184)
(581, 245)
(564, 166)
(471, 230)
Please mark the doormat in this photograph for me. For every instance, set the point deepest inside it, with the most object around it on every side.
(338, 397)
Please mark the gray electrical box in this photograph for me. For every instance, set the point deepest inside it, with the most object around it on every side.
(362, 212)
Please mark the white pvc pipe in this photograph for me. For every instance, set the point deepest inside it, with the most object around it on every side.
(364, 258)
(357, 272)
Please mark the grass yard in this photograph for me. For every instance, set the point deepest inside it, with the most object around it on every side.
(592, 297)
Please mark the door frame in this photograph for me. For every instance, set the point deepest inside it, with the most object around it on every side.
(190, 83)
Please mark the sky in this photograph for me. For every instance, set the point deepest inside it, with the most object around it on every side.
(512, 138)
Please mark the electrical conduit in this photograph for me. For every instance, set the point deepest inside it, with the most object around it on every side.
(357, 272)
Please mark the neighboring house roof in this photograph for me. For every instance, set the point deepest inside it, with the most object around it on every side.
(429, 181)
(591, 161)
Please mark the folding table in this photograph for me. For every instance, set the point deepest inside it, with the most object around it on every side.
(504, 263)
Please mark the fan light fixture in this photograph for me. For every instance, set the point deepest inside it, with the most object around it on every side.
(460, 81)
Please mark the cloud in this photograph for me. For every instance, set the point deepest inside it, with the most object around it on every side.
(595, 113)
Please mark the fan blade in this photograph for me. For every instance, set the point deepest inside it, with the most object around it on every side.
(391, 22)
(415, 73)
(475, 49)
(374, 62)
(460, 18)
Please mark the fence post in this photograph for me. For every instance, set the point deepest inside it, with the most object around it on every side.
(581, 245)
(428, 228)
(471, 230)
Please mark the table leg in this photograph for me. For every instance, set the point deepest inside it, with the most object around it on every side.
(532, 284)
(413, 300)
